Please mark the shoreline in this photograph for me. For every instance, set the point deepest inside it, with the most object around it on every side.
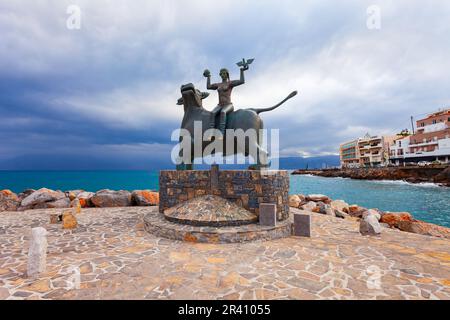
(77, 199)
(439, 176)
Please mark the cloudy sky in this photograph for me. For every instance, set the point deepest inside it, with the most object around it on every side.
(103, 96)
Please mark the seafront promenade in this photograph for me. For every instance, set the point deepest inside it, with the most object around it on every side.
(117, 259)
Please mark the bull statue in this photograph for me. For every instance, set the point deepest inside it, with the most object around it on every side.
(222, 120)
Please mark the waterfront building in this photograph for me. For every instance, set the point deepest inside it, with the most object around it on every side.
(430, 142)
(368, 151)
(349, 154)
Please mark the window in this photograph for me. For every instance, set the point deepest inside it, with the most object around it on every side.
(434, 121)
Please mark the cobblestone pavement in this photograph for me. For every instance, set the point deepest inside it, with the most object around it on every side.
(116, 259)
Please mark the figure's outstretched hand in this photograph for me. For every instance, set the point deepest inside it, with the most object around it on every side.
(206, 73)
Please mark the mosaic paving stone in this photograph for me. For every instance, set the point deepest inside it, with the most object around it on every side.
(115, 258)
(209, 210)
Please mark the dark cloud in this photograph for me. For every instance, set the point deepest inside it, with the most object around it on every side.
(104, 96)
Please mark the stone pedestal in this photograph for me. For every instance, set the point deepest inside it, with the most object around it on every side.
(246, 188)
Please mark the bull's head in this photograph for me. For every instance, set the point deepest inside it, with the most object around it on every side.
(191, 97)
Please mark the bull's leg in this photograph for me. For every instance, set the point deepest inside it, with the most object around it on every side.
(262, 157)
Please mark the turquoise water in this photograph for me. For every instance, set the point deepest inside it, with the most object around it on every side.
(426, 202)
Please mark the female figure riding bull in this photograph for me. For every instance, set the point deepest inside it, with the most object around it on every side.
(224, 89)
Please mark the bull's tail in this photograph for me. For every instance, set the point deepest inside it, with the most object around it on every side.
(258, 111)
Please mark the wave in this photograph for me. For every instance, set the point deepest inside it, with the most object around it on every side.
(403, 182)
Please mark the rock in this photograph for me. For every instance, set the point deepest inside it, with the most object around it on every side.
(340, 214)
(443, 177)
(59, 204)
(330, 212)
(393, 218)
(373, 212)
(25, 193)
(109, 198)
(72, 194)
(55, 218)
(145, 198)
(369, 226)
(41, 196)
(424, 228)
(9, 201)
(85, 199)
(316, 209)
(318, 197)
(356, 211)
(37, 254)
(339, 205)
(302, 197)
(322, 207)
(69, 221)
(309, 206)
(75, 203)
(294, 201)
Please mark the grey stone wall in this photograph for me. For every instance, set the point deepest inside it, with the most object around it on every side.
(247, 188)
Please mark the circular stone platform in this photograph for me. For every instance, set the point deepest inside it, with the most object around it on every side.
(210, 211)
(156, 224)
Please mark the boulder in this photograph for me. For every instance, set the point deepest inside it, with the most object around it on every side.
(110, 198)
(356, 211)
(41, 197)
(340, 214)
(330, 212)
(85, 199)
(294, 201)
(317, 198)
(339, 205)
(59, 204)
(145, 198)
(309, 206)
(302, 197)
(373, 212)
(25, 193)
(393, 218)
(322, 207)
(72, 194)
(9, 201)
(369, 226)
(424, 228)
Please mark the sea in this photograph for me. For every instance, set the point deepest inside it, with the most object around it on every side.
(426, 201)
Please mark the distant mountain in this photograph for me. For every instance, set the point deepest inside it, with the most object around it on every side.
(292, 163)
(128, 162)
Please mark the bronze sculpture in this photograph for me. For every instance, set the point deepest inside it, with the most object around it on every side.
(224, 90)
(245, 119)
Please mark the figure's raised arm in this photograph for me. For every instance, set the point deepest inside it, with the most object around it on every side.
(209, 86)
(236, 83)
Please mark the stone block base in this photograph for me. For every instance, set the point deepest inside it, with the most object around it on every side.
(246, 188)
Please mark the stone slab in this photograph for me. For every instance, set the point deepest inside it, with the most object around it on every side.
(302, 225)
(267, 214)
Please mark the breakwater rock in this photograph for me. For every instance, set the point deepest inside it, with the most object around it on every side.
(439, 175)
(45, 198)
(371, 220)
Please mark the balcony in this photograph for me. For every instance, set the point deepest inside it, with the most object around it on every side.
(422, 144)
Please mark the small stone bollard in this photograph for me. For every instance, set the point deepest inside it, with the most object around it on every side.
(55, 218)
(268, 214)
(37, 254)
(302, 225)
(69, 221)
